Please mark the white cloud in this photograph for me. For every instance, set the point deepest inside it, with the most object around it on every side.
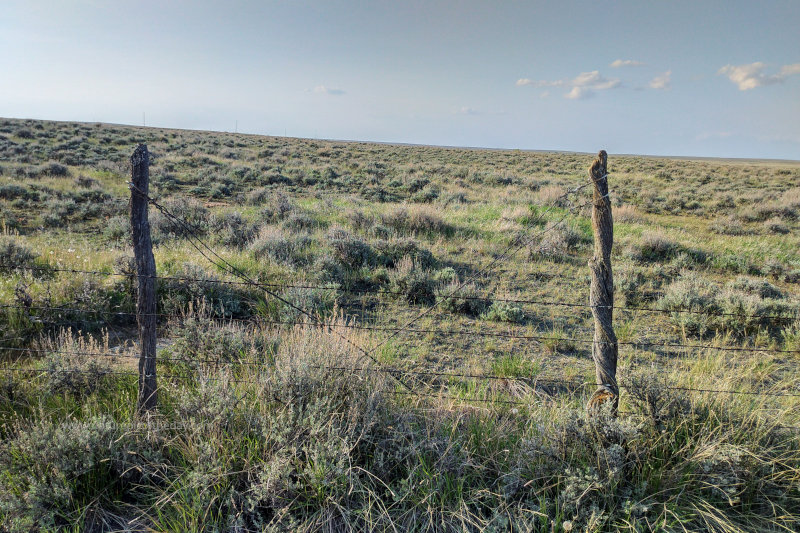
(788, 70)
(662, 81)
(328, 90)
(626, 63)
(752, 75)
(594, 80)
(539, 83)
(578, 93)
(467, 111)
(582, 86)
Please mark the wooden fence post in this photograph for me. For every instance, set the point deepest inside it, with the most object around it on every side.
(601, 291)
(146, 271)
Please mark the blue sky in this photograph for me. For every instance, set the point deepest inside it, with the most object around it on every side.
(695, 78)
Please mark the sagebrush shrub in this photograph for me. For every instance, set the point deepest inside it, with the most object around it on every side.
(233, 229)
(416, 284)
(390, 253)
(463, 298)
(191, 285)
(504, 312)
(15, 256)
(739, 308)
(349, 250)
(118, 230)
(272, 243)
(415, 220)
(655, 246)
(190, 216)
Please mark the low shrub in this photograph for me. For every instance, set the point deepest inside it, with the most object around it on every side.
(272, 243)
(628, 214)
(233, 229)
(14, 256)
(416, 220)
(463, 298)
(739, 309)
(558, 242)
(192, 286)
(349, 250)
(416, 284)
(190, 217)
(504, 312)
(655, 246)
(118, 230)
(278, 207)
(390, 253)
(731, 225)
(318, 302)
(70, 364)
(776, 225)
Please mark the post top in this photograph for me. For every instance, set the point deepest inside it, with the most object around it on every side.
(599, 166)
(140, 155)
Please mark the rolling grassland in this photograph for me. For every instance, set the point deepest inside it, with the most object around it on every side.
(416, 352)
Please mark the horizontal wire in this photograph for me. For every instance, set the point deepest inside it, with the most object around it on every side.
(366, 291)
(409, 393)
(510, 335)
(530, 380)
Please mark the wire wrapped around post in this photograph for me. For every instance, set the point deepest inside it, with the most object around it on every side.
(601, 290)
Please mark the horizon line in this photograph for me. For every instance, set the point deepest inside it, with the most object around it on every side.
(413, 144)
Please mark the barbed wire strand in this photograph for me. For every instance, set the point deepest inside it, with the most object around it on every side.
(526, 379)
(497, 334)
(369, 291)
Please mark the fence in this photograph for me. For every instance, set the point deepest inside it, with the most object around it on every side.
(604, 344)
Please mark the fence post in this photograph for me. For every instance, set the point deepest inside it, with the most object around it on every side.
(601, 291)
(146, 272)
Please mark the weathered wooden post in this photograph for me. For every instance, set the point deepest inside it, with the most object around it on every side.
(146, 272)
(601, 291)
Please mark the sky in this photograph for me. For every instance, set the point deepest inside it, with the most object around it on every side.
(681, 78)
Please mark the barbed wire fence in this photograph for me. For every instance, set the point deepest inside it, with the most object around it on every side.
(39, 314)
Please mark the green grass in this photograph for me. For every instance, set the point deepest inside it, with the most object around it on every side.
(280, 443)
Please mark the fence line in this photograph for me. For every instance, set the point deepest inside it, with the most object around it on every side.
(369, 291)
(496, 334)
(409, 393)
(486, 377)
(517, 243)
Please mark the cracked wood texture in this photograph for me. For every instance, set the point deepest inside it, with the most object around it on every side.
(601, 291)
(146, 270)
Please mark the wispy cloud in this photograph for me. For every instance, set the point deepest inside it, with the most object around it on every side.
(752, 75)
(467, 111)
(578, 93)
(706, 135)
(581, 86)
(321, 89)
(594, 80)
(662, 81)
(626, 63)
(539, 83)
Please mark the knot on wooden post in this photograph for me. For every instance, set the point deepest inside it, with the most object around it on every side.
(601, 290)
(603, 394)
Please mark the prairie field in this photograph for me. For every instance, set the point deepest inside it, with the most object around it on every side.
(356, 336)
